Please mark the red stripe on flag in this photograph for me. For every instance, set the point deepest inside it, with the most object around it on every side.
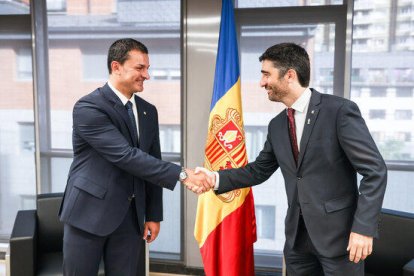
(242, 161)
(213, 150)
(211, 147)
(217, 156)
(228, 250)
(214, 153)
(242, 149)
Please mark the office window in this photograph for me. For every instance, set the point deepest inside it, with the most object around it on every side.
(27, 141)
(376, 74)
(378, 92)
(284, 3)
(326, 74)
(404, 136)
(11, 7)
(17, 159)
(403, 75)
(356, 74)
(403, 92)
(377, 114)
(356, 92)
(265, 221)
(404, 11)
(56, 5)
(24, 64)
(403, 114)
(389, 67)
(378, 136)
(94, 66)
(80, 34)
(170, 138)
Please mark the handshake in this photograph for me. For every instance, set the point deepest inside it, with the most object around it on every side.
(199, 180)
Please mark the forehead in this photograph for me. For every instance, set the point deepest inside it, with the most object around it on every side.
(268, 66)
(138, 56)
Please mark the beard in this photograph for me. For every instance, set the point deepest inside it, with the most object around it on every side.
(276, 94)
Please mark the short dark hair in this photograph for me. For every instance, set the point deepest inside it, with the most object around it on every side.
(287, 56)
(119, 50)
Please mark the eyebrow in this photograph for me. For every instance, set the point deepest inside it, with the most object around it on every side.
(141, 65)
(264, 72)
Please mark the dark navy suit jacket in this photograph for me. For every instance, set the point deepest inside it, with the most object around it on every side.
(109, 166)
(335, 145)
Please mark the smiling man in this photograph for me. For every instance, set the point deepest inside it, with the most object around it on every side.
(113, 196)
(320, 143)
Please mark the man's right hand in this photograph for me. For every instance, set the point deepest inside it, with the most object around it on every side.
(198, 183)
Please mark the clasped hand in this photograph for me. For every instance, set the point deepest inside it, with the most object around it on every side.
(199, 180)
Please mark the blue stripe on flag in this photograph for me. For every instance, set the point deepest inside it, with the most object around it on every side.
(227, 63)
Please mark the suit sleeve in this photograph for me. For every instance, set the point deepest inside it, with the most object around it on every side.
(93, 125)
(253, 173)
(360, 149)
(154, 205)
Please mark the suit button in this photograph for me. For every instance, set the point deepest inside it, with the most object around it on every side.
(299, 177)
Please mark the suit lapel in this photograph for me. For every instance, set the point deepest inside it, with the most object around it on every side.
(311, 117)
(121, 110)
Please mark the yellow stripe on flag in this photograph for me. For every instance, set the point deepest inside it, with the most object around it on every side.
(231, 99)
(211, 209)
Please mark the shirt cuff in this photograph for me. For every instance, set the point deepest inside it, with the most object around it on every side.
(216, 186)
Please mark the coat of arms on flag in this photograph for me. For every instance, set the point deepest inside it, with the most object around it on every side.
(225, 146)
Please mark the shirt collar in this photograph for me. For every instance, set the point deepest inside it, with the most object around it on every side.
(121, 96)
(303, 101)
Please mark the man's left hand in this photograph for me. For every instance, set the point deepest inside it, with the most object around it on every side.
(151, 230)
(359, 247)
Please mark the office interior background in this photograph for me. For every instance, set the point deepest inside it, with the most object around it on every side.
(53, 52)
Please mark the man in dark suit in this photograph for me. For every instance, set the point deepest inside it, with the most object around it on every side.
(113, 196)
(320, 143)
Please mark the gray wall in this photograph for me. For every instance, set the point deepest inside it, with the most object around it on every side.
(200, 35)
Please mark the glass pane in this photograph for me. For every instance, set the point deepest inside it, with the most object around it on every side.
(284, 3)
(168, 241)
(318, 39)
(400, 190)
(17, 143)
(15, 7)
(80, 33)
(383, 87)
(59, 173)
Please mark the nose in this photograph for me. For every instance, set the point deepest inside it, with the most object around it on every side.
(146, 75)
(262, 82)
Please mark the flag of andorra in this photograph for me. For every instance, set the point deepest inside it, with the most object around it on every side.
(225, 227)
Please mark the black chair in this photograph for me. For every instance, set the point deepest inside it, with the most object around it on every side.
(37, 239)
(393, 252)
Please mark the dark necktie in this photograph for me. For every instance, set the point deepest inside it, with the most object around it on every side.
(128, 106)
(292, 133)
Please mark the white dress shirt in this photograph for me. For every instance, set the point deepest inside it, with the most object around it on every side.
(301, 109)
(124, 100)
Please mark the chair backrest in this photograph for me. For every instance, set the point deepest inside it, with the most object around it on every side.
(50, 229)
(395, 246)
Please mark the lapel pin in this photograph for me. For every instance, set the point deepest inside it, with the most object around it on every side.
(313, 111)
(145, 113)
(309, 120)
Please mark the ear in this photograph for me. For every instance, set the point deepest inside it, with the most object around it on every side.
(291, 75)
(115, 66)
